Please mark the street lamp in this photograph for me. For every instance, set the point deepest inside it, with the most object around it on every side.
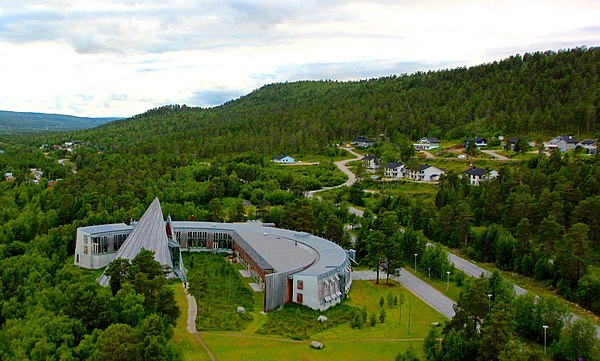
(545, 328)
(429, 269)
(490, 300)
(448, 281)
(416, 254)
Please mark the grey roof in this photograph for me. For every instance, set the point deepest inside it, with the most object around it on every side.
(149, 234)
(271, 248)
(393, 165)
(588, 142)
(475, 171)
(514, 140)
(106, 228)
(432, 140)
(279, 157)
(368, 157)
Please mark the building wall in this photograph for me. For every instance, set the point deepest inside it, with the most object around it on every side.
(90, 257)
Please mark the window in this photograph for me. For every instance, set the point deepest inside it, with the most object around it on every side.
(77, 257)
(300, 285)
(85, 249)
(299, 297)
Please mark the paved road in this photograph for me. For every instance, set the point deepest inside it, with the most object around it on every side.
(416, 286)
(342, 165)
(494, 154)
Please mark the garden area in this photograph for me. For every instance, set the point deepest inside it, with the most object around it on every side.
(377, 320)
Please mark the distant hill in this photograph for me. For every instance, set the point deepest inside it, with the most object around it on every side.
(18, 122)
(540, 94)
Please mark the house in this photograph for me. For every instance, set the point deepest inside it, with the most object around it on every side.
(361, 141)
(394, 170)
(479, 142)
(511, 144)
(1, 151)
(371, 162)
(477, 175)
(283, 159)
(424, 172)
(590, 145)
(562, 143)
(9, 177)
(427, 144)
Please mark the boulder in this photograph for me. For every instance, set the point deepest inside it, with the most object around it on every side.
(322, 319)
(316, 345)
(241, 310)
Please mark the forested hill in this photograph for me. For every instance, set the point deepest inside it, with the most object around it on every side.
(34, 122)
(545, 94)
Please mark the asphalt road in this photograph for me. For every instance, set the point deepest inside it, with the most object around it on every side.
(416, 286)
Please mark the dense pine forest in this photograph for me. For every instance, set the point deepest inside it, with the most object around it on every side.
(539, 218)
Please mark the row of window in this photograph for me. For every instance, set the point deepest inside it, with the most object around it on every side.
(105, 244)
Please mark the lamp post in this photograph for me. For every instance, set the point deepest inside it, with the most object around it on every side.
(490, 300)
(429, 269)
(545, 328)
(416, 254)
(448, 281)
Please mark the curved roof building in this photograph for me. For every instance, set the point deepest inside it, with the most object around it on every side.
(290, 266)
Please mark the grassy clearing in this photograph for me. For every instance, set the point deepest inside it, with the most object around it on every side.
(233, 348)
(186, 342)
(299, 322)
(218, 291)
(368, 294)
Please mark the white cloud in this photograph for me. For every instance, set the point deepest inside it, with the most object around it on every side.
(120, 57)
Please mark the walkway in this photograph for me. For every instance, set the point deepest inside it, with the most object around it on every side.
(192, 312)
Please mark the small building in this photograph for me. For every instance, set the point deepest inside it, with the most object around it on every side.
(371, 162)
(479, 142)
(477, 175)
(283, 159)
(394, 170)
(9, 177)
(364, 142)
(590, 145)
(427, 143)
(424, 172)
(511, 144)
(562, 143)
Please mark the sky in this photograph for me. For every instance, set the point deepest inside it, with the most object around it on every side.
(102, 58)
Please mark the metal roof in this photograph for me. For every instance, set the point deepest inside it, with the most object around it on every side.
(105, 228)
(149, 234)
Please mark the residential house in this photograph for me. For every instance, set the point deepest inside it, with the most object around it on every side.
(424, 172)
(511, 144)
(1, 151)
(479, 142)
(283, 159)
(9, 177)
(590, 145)
(361, 141)
(426, 143)
(477, 175)
(394, 170)
(371, 162)
(562, 143)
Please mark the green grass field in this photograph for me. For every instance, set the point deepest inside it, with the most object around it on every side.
(381, 341)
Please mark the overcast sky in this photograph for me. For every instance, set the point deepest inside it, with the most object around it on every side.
(121, 57)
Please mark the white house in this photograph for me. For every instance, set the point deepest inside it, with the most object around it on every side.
(371, 162)
(9, 177)
(283, 159)
(424, 172)
(427, 144)
(394, 170)
(479, 142)
(590, 145)
(477, 175)
(562, 143)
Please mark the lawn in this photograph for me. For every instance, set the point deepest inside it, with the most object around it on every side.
(381, 341)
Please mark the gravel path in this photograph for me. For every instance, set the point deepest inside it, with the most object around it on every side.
(192, 312)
